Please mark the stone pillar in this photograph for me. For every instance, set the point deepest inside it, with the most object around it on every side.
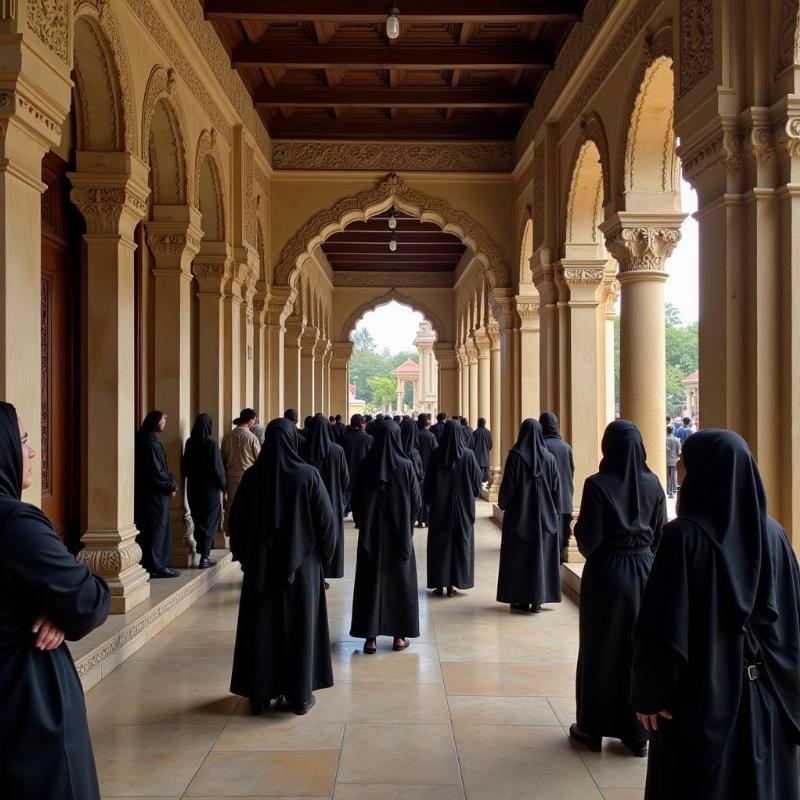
(528, 381)
(173, 237)
(279, 306)
(211, 270)
(548, 334)
(308, 344)
(505, 312)
(247, 331)
(233, 326)
(610, 295)
(642, 244)
(401, 395)
(472, 361)
(340, 355)
(463, 374)
(111, 191)
(319, 376)
(496, 408)
(448, 376)
(327, 378)
(260, 356)
(293, 387)
(483, 351)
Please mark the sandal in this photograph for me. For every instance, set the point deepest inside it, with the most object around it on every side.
(371, 649)
(593, 743)
(451, 592)
(400, 644)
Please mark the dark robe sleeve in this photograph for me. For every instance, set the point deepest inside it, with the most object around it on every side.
(659, 521)
(156, 464)
(322, 516)
(416, 495)
(509, 483)
(555, 485)
(589, 527)
(344, 474)
(219, 470)
(475, 476)
(491, 441)
(66, 592)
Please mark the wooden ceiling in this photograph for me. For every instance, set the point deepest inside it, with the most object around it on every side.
(421, 247)
(324, 69)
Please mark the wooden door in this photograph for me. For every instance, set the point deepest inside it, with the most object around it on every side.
(60, 458)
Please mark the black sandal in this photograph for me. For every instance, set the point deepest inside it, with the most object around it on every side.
(398, 647)
(371, 649)
(451, 592)
(593, 743)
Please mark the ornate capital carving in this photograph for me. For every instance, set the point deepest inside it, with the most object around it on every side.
(493, 332)
(173, 244)
(528, 311)
(482, 342)
(640, 244)
(210, 275)
(108, 209)
(583, 276)
(309, 339)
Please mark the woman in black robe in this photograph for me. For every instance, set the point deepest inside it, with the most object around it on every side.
(154, 487)
(409, 438)
(205, 478)
(619, 528)
(282, 531)
(530, 571)
(386, 500)
(565, 462)
(426, 444)
(481, 445)
(452, 483)
(716, 672)
(356, 445)
(322, 452)
(45, 597)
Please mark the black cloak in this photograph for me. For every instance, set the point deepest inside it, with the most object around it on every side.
(205, 478)
(530, 567)
(282, 530)
(565, 462)
(322, 452)
(356, 445)
(339, 431)
(153, 487)
(386, 500)
(621, 521)
(452, 482)
(409, 437)
(718, 637)
(426, 444)
(437, 429)
(481, 445)
(45, 749)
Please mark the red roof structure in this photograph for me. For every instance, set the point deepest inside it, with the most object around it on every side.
(693, 378)
(408, 367)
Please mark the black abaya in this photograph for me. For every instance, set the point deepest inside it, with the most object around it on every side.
(437, 429)
(45, 749)
(718, 638)
(322, 452)
(452, 482)
(530, 571)
(565, 463)
(386, 500)
(620, 525)
(427, 443)
(205, 478)
(356, 445)
(153, 487)
(339, 431)
(481, 445)
(282, 531)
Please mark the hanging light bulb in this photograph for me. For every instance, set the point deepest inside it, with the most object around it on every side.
(393, 245)
(392, 23)
(392, 221)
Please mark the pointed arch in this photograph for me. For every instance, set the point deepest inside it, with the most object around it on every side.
(526, 250)
(209, 187)
(377, 302)
(584, 197)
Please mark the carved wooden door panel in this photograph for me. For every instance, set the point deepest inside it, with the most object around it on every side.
(60, 457)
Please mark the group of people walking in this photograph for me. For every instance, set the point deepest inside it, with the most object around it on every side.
(689, 630)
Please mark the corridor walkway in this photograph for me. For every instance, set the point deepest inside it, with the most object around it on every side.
(477, 708)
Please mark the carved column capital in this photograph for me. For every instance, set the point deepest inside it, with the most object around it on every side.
(309, 339)
(211, 275)
(471, 352)
(642, 243)
(341, 352)
(174, 244)
(493, 332)
(482, 342)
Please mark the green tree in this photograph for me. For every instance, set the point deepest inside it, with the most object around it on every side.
(383, 390)
(363, 341)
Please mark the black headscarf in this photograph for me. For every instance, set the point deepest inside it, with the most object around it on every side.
(530, 446)
(409, 435)
(550, 425)
(10, 454)
(272, 532)
(318, 440)
(723, 495)
(202, 428)
(386, 452)
(151, 421)
(451, 444)
(624, 477)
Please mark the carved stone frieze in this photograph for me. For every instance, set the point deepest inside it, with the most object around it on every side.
(760, 146)
(788, 35)
(112, 561)
(173, 243)
(433, 280)
(528, 311)
(538, 211)
(466, 157)
(14, 103)
(103, 206)
(696, 43)
(640, 248)
(49, 21)
(210, 275)
(583, 276)
(249, 196)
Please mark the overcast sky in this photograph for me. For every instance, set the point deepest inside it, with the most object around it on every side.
(395, 326)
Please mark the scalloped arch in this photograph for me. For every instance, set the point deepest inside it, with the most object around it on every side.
(584, 193)
(377, 302)
(207, 149)
(391, 191)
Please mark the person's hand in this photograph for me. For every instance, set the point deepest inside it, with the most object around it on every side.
(650, 721)
(49, 637)
(173, 494)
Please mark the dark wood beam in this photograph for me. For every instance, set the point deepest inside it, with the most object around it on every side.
(387, 257)
(406, 97)
(374, 57)
(478, 11)
(343, 248)
(397, 266)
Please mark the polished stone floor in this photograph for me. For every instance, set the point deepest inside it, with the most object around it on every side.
(476, 708)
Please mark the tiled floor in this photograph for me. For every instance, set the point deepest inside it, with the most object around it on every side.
(476, 709)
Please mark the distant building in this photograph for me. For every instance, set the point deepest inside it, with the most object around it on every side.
(691, 386)
(354, 405)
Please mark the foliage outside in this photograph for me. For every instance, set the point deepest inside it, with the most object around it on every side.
(373, 373)
(682, 348)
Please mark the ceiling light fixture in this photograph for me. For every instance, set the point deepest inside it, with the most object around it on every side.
(392, 23)
(393, 245)
(392, 221)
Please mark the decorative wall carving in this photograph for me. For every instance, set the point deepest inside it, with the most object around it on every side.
(787, 34)
(13, 102)
(696, 43)
(440, 280)
(207, 149)
(111, 562)
(49, 20)
(466, 157)
(538, 195)
(250, 232)
(528, 311)
(102, 207)
(727, 147)
(393, 190)
(583, 276)
(173, 244)
(639, 248)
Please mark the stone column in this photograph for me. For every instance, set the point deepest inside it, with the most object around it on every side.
(211, 270)
(326, 376)
(448, 376)
(319, 377)
(505, 312)
(247, 333)
(278, 308)
(401, 395)
(308, 344)
(642, 244)
(528, 383)
(233, 326)
(293, 387)
(463, 373)
(610, 291)
(483, 349)
(111, 191)
(472, 360)
(260, 356)
(173, 237)
(341, 353)
(496, 408)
